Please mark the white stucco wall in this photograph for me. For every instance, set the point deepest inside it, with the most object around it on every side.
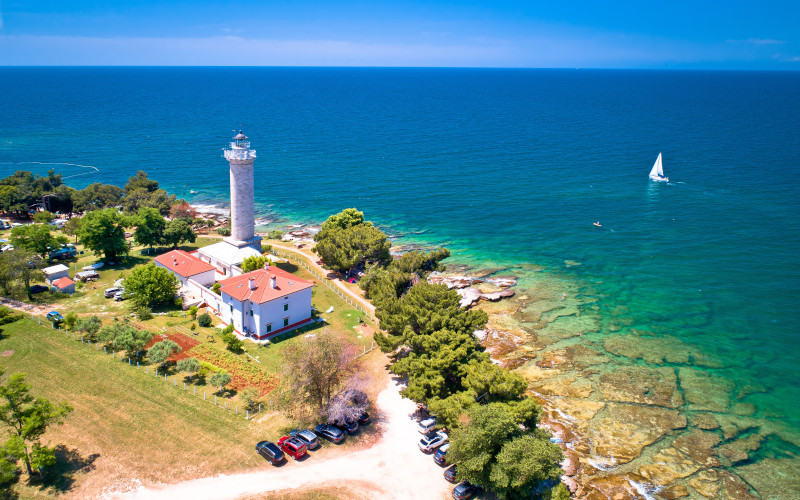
(272, 312)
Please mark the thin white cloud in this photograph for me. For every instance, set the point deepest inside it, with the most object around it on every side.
(759, 41)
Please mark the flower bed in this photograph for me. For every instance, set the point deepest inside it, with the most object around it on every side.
(244, 374)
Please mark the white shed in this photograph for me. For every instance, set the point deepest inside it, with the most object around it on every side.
(53, 273)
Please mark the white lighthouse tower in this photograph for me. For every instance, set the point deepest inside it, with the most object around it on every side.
(241, 159)
(229, 254)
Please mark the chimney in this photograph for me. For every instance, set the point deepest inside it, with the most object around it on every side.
(273, 281)
(252, 284)
(266, 265)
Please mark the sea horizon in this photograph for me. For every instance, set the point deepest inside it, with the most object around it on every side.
(510, 171)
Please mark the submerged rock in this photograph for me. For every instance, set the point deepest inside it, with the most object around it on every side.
(657, 350)
(627, 429)
(688, 454)
(641, 384)
(471, 296)
(705, 391)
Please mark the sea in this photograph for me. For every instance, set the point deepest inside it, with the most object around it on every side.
(508, 168)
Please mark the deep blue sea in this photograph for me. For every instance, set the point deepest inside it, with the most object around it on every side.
(507, 167)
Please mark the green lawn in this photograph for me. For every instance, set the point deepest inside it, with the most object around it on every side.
(126, 423)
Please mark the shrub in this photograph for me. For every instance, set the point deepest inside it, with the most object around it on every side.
(204, 320)
(179, 302)
(193, 327)
(144, 313)
(249, 398)
(275, 234)
(215, 288)
(70, 319)
(224, 231)
(193, 312)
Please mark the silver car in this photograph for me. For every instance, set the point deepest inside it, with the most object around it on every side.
(432, 441)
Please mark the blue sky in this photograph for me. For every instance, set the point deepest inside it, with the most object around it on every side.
(556, 34)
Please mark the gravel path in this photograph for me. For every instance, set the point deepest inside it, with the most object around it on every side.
(393, 468)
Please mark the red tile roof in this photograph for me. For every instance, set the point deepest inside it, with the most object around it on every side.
(183, 264)
(238, 287)
(62, 282)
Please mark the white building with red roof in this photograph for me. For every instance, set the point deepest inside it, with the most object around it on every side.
(265, 302)
(186, 266)
(63, 285)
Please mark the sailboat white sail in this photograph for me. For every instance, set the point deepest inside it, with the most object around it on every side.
(657, 173)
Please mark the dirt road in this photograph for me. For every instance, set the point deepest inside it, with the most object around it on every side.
(393, 468)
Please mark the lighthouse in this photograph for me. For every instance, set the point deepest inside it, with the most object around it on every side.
(228, 255)
(241, 159)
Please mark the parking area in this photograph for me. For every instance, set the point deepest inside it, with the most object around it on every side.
(393, 468)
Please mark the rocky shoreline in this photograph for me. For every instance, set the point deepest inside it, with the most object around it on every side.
(637, 415)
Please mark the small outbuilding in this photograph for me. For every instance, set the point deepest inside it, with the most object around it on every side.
(53, 273)
(64, 285)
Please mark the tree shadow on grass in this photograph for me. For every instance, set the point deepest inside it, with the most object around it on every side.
(69, 462)
(288, 267)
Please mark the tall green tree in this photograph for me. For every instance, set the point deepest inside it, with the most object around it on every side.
(37, 238)
(177, 231)
(424, 309)
(346, 249)
(254, 262)
(19, 267)
(27, 419)
(498, 450)
(43, 217)
(151, 285)
(97, 196)
(140, 181)
(315, 368)
(160, 351)
(90, 326)
(158, 199)
(103, 232)
(150, 226)
(125, 337)
(347, 218)
(437, 364)
(72, 227)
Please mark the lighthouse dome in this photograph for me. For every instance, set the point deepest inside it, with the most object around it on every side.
(240, 137)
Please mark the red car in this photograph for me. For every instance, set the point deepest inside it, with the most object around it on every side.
(292, 447)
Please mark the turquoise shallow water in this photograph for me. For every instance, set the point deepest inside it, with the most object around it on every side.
(502, 166)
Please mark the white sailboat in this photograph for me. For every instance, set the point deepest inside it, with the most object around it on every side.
(657, 173)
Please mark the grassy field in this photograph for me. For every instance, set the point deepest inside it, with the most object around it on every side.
(127, 424)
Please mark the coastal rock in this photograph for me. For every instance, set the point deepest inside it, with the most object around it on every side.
(640, 384)
(773, 478)
(627, 429)
(704, 391)
(613, 487)
(739, 450)
(570, 418)
(705, 421)
(566, 386)
(471, 296)
(570, 463)
(675, 491)
(657, 350)
(706, 483)
(688, 454)
(570, 483)
(574, 357)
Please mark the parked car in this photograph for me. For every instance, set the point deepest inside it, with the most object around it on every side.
(465, 490)
(306, 436)
(432, 441)
(329, 432)
(440, 456)
(270, 451)
(55, 317)
(426, 425)
(110, 292)
(450, 474)
(63, 253)
(363, 419)
(293, 447)
(38, 288)
(122, 295)
(349, 426)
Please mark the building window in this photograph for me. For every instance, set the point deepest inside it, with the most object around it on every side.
(269, 327)
(286, 307)
(285, 321)
(231, 308)
(251, 313)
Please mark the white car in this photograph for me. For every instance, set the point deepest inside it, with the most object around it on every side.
(426, 425)
(431, 441)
